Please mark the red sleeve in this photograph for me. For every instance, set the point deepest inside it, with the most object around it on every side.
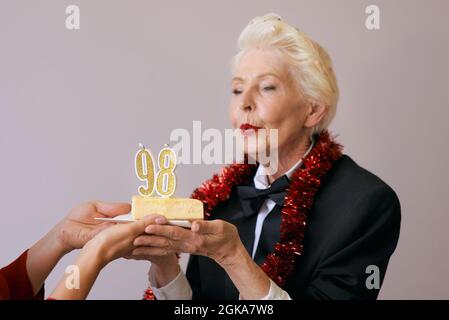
(14, 281)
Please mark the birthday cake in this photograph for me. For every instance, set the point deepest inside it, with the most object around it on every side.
(171, 208)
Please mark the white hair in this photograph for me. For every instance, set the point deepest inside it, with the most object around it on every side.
(310, 64)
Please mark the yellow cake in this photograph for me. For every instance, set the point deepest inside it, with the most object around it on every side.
(171, 208)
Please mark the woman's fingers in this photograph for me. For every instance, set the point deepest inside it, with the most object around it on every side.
(161, 242)
(140, 225)
(152, 241)
(207, 227)
(127, 232)
(111, 209)
(171, 232)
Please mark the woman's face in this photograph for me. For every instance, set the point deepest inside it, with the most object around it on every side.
(265, 95)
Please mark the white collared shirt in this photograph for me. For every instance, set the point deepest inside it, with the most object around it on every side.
(179, 288)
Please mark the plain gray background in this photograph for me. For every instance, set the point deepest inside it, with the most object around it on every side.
(74, 105)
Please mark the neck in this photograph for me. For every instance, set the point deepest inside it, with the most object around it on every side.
(288, 157)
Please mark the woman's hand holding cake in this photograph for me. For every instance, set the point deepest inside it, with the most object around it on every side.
(216, 239)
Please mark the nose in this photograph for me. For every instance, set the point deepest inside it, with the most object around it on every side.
(247, 101)
(246, 107)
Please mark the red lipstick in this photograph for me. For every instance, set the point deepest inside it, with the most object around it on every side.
(247, 126)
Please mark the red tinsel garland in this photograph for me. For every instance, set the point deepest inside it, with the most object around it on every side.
(304, 184)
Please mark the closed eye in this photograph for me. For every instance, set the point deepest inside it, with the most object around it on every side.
(269, 88)
(236, 92)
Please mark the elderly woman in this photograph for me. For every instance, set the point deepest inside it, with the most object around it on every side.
(320, 227)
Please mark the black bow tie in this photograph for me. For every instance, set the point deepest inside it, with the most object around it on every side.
(252, 198)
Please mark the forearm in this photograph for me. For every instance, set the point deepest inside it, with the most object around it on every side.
(89, 266)
(178, 288)
(42, 258)
(249, 279)
(165, 272)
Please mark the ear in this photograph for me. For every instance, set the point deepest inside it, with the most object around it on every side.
(316, 113)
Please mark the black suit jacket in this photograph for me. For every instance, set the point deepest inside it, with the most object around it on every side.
(354, 223)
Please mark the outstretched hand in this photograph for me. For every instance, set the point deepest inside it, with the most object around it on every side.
(79, 226)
